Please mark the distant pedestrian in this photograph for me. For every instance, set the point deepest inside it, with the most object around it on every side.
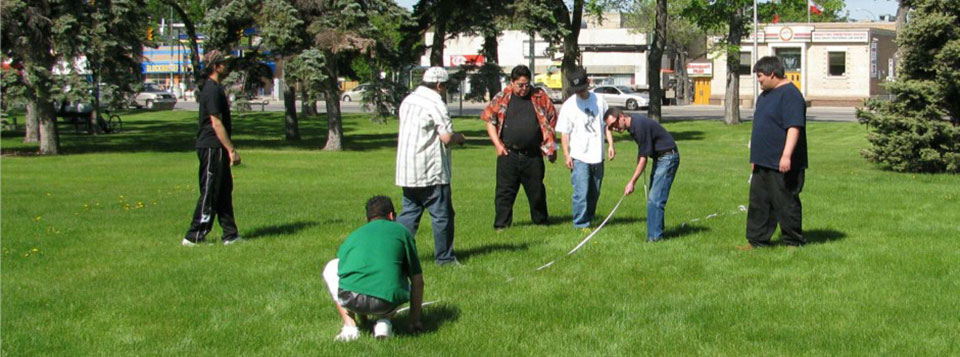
(655, 142)
(423, 161)
(583, 132)
(778, 158)
(520, 122)
(216, 153)
(377, 269)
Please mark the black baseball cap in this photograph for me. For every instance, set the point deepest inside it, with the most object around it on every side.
(577, 80)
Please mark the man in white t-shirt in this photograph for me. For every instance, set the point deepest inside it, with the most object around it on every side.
(583, 132)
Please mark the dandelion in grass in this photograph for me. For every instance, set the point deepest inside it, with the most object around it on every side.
(37, 218)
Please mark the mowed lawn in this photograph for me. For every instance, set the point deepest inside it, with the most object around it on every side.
(92, 262)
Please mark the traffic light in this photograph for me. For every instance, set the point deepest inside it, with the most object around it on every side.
(149, 33)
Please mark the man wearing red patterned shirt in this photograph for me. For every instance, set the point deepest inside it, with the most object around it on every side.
(520, 123)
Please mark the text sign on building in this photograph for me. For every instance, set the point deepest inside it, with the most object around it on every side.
(840, 36)
(463, 60)
(700, 69)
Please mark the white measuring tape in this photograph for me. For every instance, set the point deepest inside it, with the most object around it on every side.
(587, 239)
(423, 304)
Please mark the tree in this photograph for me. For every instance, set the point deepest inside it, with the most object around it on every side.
(682, 34)
(717, 16)
(796, 11)
(45, 35)
(655, 58)
(919, 129)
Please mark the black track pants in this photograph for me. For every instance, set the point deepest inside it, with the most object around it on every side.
(216, 196)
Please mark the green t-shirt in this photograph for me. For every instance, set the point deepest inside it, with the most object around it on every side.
(378, 259)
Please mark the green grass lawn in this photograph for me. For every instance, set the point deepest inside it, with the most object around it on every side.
(92, 262)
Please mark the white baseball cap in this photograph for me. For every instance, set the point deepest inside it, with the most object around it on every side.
(436, 75)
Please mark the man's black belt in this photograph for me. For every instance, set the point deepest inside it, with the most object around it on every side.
(525, 151)
(665, 152)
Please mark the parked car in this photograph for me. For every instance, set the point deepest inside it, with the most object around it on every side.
(623, 96)
(355, 94)
(154, 98)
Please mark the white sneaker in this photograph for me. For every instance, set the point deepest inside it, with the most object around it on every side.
(382, 330)
(347, 334)
(232, 241)
(187, 243)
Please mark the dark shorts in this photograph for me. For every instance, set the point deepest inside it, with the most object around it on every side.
(364, 304)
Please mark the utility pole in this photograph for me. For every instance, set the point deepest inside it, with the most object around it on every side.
(533, 63)
(756, 34)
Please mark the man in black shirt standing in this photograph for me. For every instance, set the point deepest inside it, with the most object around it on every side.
(216, 153)
(520, 123)
(655, 142)
(778, 156)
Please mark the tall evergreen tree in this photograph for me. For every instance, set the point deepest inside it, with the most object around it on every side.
(919, 129)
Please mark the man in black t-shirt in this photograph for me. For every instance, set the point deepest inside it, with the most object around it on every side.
(216, 153)
(655, 142)
(778, 158)
(520, 123)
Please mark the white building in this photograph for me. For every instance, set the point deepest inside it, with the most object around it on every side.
(628, 66)
(833, 64)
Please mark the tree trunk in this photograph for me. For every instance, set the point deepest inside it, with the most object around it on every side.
(49, 137)
(571, 45)
(332, 93)
(654, 61)
(436, 49)
(32, 122)
(291, 125)
(681, 86)
(731, 105)
(491, 55)
(192, 34)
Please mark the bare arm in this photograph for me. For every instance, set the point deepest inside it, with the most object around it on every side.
(416, 302)
(641, 165)
(611, 152)
(455, 138)
(565, 144)
(793, 134)
(497, 143)
(221, 132)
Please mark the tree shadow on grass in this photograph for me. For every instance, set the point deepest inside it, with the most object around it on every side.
(466, 254)
(279, 229)
(820, 236)
(433, 318)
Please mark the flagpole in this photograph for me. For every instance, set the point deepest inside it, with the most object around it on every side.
(809, 5)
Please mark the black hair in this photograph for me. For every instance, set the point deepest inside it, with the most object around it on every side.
(431, 85)
(770, 65)
(615, 112)
(379, 207)
(520, 71)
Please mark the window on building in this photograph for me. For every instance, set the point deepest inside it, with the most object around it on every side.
(838, 63)
(746, 59)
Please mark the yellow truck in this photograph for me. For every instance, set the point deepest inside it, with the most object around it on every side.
(552, 79)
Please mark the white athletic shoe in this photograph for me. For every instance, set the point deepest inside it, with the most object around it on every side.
(233, 241)
(187, 243)
(347, 334)
(382, 330)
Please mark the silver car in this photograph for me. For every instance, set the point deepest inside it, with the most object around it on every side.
(355, 94)
(153, 98)
(623, 96)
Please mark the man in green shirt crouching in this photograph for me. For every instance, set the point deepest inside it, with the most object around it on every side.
(377, 270)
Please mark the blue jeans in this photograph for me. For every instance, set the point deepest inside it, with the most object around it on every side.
(438, 201)
(586, 179)
(664, 170)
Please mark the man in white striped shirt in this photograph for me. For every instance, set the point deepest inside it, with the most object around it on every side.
(423, 161)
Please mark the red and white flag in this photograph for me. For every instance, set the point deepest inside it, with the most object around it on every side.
(815, 8)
